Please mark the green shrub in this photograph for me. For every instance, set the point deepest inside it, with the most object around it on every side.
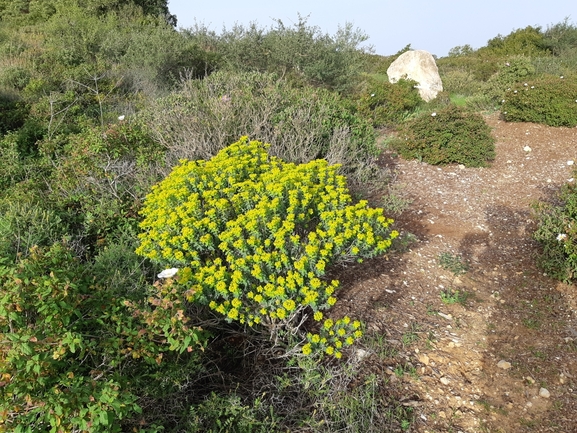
(451, 135)
(75, 353)
(253, 236)
(16, 77)
(510, 71)
(551, 100)
(387, 104)
(24, 224)
(301, 124)
(557, 233)
(300, 53)
(99, 179)
(14, 112)
(529, 41)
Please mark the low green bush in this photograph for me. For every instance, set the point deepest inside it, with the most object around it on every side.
(79, 355)
(388, 104)
(253, 237)
(489, 94)
(557, 233)
(551, 100)
(450, 135)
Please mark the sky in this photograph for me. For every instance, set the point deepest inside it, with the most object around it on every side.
(434, 26)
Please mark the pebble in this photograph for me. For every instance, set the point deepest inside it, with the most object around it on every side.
(527, 149)
(446, 381)
(504, 365)
(361, 354)
(543, 392)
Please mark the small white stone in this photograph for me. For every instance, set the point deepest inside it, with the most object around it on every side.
(570, 162)
(504, 365)
(168, 273)
(543, 392)
(433, 114)
(527, 149)
(445, 381)
(121, 118)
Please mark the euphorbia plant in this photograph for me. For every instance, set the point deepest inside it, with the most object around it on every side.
(253, 236)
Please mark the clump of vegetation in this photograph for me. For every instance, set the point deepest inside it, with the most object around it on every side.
(453, 263)
(252, 237)
(557, 234)
(551, 100)
(300, 123)
(386, 103)
(451, 135)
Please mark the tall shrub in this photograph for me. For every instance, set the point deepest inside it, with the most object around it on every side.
(301, 124)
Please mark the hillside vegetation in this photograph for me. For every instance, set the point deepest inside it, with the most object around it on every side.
(174, 206)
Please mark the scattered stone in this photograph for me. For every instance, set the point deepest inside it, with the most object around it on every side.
(544, 393)
(527, 149)
(445, 381)
(361, 354)
(424, 359)
(504, 365)
(445, 316)
(530, 380)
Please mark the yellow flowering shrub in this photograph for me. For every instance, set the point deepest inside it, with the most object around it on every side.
(252, 237)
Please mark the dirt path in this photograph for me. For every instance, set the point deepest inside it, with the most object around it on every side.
(447, 355)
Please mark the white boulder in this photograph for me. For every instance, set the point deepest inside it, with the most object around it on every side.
(420, 66)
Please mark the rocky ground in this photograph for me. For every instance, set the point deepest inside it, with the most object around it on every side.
(489, 348)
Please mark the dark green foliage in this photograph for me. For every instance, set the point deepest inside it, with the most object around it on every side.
(13, 112)
(386, 103)
(561, 38)
(451, 135)
(551, 100)
(557, 234)
(300, 52)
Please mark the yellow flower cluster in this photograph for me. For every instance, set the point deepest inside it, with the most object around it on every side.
(254, 235)
(333, 337)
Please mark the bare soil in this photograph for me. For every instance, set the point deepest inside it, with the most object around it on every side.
(446, 355)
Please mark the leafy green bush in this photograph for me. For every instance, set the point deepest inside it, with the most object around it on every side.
(15, 77)
(75, 351)
(301, 124)
(386, 103)
(557, 234)
(551, 100)
(100, 177)
(26, 224)
(510, 71)
(527, 42)
(252, 237)
(300, 53)
(451, 135)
